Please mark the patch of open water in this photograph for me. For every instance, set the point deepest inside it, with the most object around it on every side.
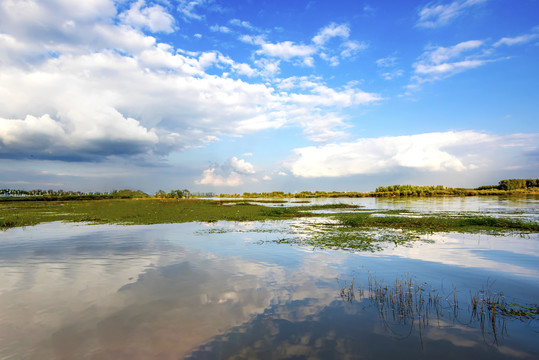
(226, 290)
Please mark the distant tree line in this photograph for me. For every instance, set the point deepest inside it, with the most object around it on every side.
(505, 187)
(412, 188)
(173, 194)
(203, 194)
(54, 195)
(513, 184)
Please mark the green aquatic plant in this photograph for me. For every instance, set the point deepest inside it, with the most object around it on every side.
(359, 228)
(438, 223)
(339, 239)
(409, 301)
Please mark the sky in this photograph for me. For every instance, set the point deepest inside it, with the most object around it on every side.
(253, 96)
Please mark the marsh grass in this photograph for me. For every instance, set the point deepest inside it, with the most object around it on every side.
(142, 211)
(336, 238)
(359, 230)
(439, 223)
(416, 303)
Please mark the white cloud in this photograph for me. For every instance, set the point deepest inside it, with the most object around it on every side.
(242, 23)
(241, 166)
(390, 75)
(101, 87)
(304, 54)
(517, 40)
(189, 8)
(218, 28)
(388, 64)
(436, 15)
(195, 107)
(331, 31)
(253, 40)
(322, 95)
(154, 18)
(209, 177)
(428, 152)
(286, 50)
(208, 59)
(351, 48)
(233, 172)
(107, 133)
(389, 61)
(308, 98)
(332, 60)
(441, 62)
(447, 68)
(440, 54)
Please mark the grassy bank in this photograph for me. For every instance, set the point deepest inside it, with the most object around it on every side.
(160, 211)
(144, 211)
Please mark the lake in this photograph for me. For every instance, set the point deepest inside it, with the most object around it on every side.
(232, 290)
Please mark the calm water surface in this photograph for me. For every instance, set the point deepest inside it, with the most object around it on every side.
(225, 290)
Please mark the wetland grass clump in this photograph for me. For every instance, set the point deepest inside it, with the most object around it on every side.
(373, 231)
(337, 239)
(281, 212)
(439, 223)
(408, 301)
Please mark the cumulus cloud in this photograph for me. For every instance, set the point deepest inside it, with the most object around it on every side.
(173, 102)
(211, 177)
(308, 109)
(322, 95)
(435, 15)
(220, 28)
(154, 18)
(233, 172)
(95, 82)
(427, 152)
(215, 58)
(331, 31)
(189, 9)
(242, 23)
(351, 48)
(43, 137)
(303, 54)
(286, 50)
(241, 166)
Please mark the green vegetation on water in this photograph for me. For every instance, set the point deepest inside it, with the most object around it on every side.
(373, 231)
(144, 211)
(356, 230)
(158, 211)
(439, 223)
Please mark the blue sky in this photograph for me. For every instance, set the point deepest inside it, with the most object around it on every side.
(238, 96)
